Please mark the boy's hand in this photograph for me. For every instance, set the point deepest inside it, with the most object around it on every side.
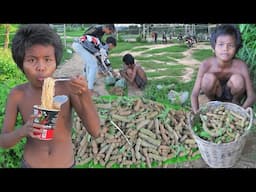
(78, 85)
(31, 129)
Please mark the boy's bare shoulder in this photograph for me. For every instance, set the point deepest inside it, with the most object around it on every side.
(239, 61)
(19, 89)
(208, 62)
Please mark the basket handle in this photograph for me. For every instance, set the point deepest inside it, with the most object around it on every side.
(250, 112)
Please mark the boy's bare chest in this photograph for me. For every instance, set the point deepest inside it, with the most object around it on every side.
(223, 73)
(26, 105)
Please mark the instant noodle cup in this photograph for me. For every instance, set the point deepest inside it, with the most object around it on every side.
(48, 118)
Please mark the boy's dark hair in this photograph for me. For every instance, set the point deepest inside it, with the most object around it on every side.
(32, 34)
(227, 29)
(111, 27)
(128, 59)
(111, 40)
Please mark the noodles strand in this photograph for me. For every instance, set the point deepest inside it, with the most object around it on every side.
(48, 93)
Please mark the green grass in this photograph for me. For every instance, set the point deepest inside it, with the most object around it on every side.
(77, 33)
(175, 48)
(116, 61)
(175, 70)
(123, 46)
(202, 54)
(166, 57)
(140, 49)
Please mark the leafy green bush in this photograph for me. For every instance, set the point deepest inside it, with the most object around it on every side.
(10, 76)
(247, 52)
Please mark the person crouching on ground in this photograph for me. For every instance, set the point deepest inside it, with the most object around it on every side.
(133, 72)
(224, 77)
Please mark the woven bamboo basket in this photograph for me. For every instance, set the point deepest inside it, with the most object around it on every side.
(223, 155)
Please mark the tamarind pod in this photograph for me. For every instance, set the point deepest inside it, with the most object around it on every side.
(150, 125)
(183, 137)
(78, 126)
(144, 150)
(127, 162)
(164, 147)
(152, 114)
(131, 132)
(104, 148)
(110, 164)
(142, 124)
(102, 162)
(149, 139)
(189, 141)
(82, 150)
(172, 132)
(213, 115)
(139, 120)
(113, 111)
(213, 134)
(115, 157)
(162, 131)
(133, 155)
(83, 141)
(167, 121)
(157, 130)
(94, 147)
(119, 160)
(121, 118)
(109, 136)
(156, 157)
(148, 145)
(103, 106)
(118, 134)
(87, 160)
(99, 140)
(137, 148)
(154, 151)
(109, 152)
(124, 113)
(114, 140)
(238, 115)
(129, 125)
(174, 121)
(148, 132)
(171, 155)
(95, 161)
(138, 104)
(99, 156)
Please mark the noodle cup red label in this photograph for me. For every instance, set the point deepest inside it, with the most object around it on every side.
(48, 118)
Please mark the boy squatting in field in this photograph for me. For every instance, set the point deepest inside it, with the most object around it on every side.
(133, 72)
(37, 50)
(224, 77)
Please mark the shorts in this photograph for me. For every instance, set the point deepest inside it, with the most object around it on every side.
(24, 164)
(225, 92)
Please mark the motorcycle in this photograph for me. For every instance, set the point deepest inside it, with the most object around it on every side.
(190, 41)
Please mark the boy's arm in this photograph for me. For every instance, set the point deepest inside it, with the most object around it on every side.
(83, 104)
(251, 97)
(9, 136)
(196, 89)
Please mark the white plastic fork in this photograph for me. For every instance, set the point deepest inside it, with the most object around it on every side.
(62, 79)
